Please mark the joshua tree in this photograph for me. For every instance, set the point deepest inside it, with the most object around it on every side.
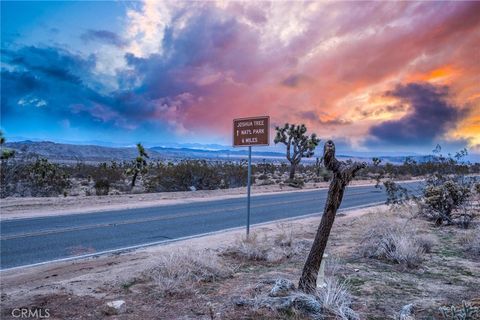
(6, 153)
(343, 173)
(139, 165)
(294, 137)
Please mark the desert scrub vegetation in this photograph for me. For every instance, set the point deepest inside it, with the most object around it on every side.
(180, 273)
(396, 242)
(464, 312)
(260, 248)
(449, 196)
(27, 174)
(189, 175)
(39, 178)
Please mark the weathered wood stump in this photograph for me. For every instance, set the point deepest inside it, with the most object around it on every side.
(343, 173)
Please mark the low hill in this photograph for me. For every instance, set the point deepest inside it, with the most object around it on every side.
(64, 152)
(71, 152)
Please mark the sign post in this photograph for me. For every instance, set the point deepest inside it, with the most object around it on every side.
(248, 132)
(249, 180)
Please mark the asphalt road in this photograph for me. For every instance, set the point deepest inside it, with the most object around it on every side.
(38, 240)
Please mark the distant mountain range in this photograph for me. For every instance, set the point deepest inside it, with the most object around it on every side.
(63, 152)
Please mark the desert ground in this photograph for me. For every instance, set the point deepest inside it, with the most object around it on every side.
(226, 276)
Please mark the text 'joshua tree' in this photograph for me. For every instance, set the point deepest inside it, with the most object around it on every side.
(343, 173)
(299, 145)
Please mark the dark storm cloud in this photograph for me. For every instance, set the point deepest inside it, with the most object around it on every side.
(431, 116)
(50, 78)
(15, 85)
(104, 36)
(54, 83)
(50, 62)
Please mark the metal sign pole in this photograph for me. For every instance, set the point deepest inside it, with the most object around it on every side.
(248, 132)
(249, 179)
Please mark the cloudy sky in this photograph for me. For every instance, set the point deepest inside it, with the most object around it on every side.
(374, 76)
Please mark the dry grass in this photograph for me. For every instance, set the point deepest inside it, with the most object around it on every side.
(262, 248)
(336, 299)
(396, 242)
(178, 273)
(284, 237)
(471, 241)
(252, 248)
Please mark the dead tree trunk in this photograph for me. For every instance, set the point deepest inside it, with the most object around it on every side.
(342, 174)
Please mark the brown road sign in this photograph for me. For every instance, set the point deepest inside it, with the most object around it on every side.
(251, 131)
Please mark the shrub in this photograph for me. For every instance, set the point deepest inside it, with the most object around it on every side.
(102, 187)
(255, 248)
(178, 272)
(443, 198)
(285, 237)
(250, 248)
(295, 183)
(262, 177)
(266, 182)
(465, 312)
(395, 243)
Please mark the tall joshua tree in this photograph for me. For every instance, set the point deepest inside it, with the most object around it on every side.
(343, 173)
(299, 145)
(139, 165)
